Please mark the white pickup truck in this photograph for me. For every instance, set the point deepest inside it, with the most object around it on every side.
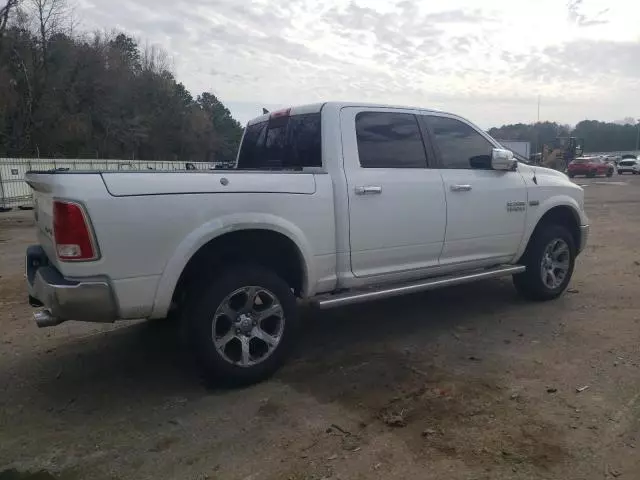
(333, 203)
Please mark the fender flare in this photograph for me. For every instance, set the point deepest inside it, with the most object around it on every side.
(545, 207)
(218, 227)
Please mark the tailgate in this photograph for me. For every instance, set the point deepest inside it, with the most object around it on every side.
(48, 186)
(43, 210)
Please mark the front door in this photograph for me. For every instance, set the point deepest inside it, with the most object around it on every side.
(397, 212)
(486, 209)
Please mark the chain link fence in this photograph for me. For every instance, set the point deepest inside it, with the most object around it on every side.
(15, 193)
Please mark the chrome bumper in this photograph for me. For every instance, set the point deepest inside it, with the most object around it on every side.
(89, 300)
(584, 236)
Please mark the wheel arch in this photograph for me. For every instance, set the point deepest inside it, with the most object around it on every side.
(565, 214)
(214, 240)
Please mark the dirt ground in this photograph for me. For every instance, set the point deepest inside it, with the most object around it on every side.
(464, 383)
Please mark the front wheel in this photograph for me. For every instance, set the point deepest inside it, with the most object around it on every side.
(549, 258)
(243, 325)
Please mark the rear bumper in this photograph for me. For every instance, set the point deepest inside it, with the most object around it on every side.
(87, 299)
(584, 237)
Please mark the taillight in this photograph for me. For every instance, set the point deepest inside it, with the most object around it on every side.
(71, 232)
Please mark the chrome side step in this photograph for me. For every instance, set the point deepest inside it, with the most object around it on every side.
(358, 296)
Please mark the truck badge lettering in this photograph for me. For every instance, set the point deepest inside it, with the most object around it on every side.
(516, 206)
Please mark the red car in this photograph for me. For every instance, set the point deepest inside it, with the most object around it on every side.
(589, 166)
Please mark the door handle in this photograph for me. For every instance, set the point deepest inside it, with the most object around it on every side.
(368, 190)
(460, 188)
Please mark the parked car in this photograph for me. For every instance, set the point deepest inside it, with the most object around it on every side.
(628, 165)
(590, 167)
(334, 204)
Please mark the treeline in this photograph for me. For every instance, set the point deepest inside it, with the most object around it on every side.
(598, 136)
(100, 96)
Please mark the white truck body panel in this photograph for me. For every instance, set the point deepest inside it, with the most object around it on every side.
(129, 184)
(172, 227)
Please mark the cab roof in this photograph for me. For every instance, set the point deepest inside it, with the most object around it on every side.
(317, 107)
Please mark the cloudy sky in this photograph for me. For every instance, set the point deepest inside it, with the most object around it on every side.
(485, 60)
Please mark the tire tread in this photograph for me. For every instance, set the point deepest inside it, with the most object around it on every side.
(201, 306)
(529, 284)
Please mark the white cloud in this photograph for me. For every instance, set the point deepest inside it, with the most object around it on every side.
(487, 63)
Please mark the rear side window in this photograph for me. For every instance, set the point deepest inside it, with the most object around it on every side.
(389, 140)
(288, 142)
(460, 146)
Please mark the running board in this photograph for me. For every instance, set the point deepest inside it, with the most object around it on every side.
(350, 297)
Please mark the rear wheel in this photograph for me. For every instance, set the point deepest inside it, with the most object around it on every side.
(243, 325)
(549, 258)
(591, 174)
(609, 173)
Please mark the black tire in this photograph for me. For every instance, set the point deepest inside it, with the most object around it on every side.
(619, 172)
(199, 315)
(610, 173)
(530, 283)
(571, 175)
(591, 174)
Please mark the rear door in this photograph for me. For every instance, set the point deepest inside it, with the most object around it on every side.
(486, 208)
(397, 212)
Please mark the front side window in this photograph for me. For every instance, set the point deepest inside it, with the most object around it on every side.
(389, 140)
(460, 146)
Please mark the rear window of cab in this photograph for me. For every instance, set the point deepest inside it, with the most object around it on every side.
(282, 143)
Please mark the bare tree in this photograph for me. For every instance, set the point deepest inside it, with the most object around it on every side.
(4, 15)
(50, 17)
(155, 59)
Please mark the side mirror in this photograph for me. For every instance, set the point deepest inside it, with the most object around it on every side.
(502, 159)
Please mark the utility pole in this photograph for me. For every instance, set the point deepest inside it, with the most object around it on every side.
(538, 131)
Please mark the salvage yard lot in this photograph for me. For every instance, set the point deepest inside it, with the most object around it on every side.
(464, 383)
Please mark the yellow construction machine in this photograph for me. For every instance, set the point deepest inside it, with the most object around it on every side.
(562, 152)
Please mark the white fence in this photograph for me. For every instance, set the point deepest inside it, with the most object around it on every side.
(14, 192)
